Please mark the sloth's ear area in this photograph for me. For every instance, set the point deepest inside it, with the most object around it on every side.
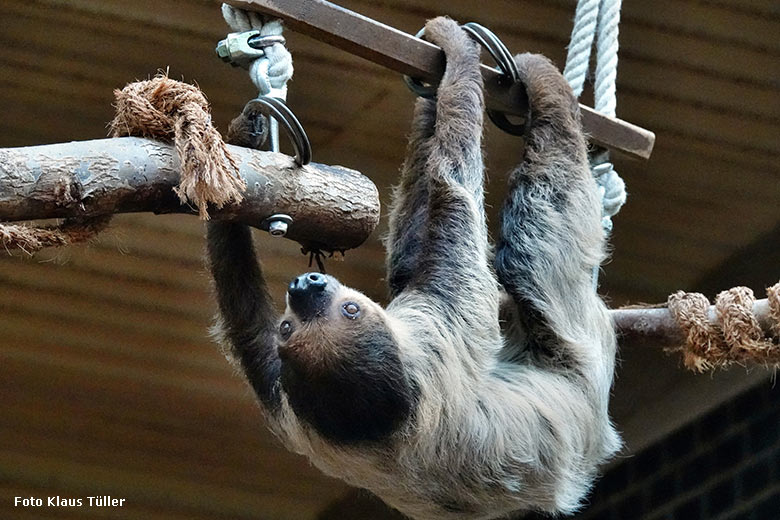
(352, 387)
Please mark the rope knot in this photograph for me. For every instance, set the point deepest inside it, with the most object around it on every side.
(270, 73)
(732, 335)
(167, 109)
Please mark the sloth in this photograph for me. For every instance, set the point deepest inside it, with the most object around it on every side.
(482, 389)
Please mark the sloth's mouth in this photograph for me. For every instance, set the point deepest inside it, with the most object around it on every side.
(302, 354)
(293, 355)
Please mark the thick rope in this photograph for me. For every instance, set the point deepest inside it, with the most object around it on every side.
(773, 295)
(161, 108)
(578, 57)
(30, 239)
(271, 72)
(167, 109)
(736, 336)
(605, 97)
(598, 19)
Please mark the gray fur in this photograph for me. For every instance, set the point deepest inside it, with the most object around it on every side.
(511, 363)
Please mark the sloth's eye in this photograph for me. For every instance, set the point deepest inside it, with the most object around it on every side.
(285, 329)
(351, 310)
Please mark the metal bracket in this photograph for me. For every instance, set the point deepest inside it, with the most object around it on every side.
(241, 48)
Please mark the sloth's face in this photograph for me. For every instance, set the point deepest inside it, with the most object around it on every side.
(315, 296)
(341, 366)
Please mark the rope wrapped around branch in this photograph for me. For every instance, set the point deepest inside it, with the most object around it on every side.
(34, 238)
(735, 337)
(167, 109)
(163, 109)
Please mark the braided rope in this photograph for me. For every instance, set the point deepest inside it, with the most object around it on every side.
(30, 239)
(172, 110)
(735, 336)
(773, 295)
(702, 350)
(599, 19)
(607, 57)
(161, 108)
(578, 57)
(270, 73)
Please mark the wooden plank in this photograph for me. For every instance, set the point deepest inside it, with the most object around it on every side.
(401, 52)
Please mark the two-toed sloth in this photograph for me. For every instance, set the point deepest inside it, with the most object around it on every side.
(482, 388)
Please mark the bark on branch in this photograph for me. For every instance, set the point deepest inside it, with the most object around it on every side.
(332, 207)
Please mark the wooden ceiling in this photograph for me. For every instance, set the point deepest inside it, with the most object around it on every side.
(111, 384)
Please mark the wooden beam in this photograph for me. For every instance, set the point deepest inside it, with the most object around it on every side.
(403, 53)
(332, 207)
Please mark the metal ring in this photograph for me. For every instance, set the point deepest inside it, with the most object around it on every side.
(495, 47)
(507, 67)
(416, 85)
(277, 109)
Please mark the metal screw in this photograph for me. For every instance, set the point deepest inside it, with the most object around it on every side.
(277, 228)
(222, 51)
(278, 224)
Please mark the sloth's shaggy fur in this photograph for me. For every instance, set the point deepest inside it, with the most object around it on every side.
(482, 389)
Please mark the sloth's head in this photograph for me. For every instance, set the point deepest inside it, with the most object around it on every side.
(341, 364)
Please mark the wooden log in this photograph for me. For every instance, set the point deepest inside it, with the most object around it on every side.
(657, 327)
(403, 53)
(332, 207)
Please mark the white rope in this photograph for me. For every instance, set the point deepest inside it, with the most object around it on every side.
(599, 19)
(578, 58)
(607, 57)
(611, 187)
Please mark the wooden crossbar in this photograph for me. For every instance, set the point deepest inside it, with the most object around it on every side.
(403, 53)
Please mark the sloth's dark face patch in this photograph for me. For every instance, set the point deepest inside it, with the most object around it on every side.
(341, 366)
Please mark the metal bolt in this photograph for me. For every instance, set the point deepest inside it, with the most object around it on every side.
(601, 169)
(277, 224)
(222, 51)
(277, 228)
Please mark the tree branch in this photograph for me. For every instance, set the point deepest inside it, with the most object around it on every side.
(332, 207)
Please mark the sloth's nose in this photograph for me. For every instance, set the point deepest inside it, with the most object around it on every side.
(308, 282)
(309, 295)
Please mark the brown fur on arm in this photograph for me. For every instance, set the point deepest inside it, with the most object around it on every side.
(453, 257)
(248, 320)
(249, 129)
(550, 225)
(409, 210)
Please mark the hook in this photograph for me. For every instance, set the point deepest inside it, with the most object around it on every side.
(277, 109)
